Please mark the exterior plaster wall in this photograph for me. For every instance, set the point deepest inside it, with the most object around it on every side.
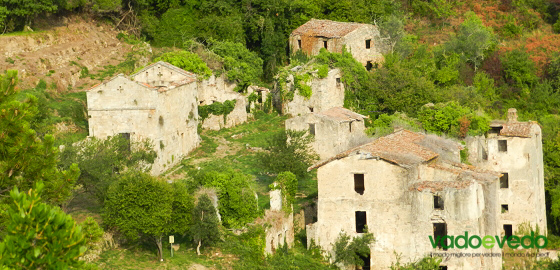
(160, 75)
(326, 93)
(218, 89)
(400, 218)
(331, 136)
(355, 42)
(124, 106)
(523, 161)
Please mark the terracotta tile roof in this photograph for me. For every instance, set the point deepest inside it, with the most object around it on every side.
(465, 176)
(326, 28)
(341, 114)
(517, 129)
(400, 148)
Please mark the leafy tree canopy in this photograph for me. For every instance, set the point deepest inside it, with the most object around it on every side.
(188, 61)
(40, 236)
(206, 226)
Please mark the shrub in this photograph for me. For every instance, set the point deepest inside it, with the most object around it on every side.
(188, 61)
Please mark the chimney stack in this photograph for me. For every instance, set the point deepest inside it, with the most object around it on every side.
(512, 115)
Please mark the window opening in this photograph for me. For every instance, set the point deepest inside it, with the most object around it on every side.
(361, 221)
(505, 208)
(502, 145)
(438, 202)
(368, 43)
(440, 231)
(508, 230)
(504, 180)
(312, 129)
(359, 186)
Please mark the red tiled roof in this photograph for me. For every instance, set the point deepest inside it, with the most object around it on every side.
(326, 28)
(401, 148)
(517, 129)
(341, 114)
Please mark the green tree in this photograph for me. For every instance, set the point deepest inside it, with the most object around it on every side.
(205, 229)
(241, 65)
(25, 10)
(141, 206)
(288, 184)
(40, 236)
(24, 157)
(520, 71)
(473, 41)
(289, 151)
(350, 251)
(453, 119)
(101, 161)
(188, 61)
(237, 202)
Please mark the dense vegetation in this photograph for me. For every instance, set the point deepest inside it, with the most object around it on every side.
(450, 67)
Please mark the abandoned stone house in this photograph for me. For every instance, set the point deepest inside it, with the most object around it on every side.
(335, 130)
(362, 40)
(407, 186)
(326, 93)
(157, 103)
(219, 89)
(514, 149)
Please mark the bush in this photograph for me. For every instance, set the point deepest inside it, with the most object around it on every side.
(188, 61)
(446, 118)
(349, 251)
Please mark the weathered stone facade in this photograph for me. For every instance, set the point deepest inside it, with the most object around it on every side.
(279, 226)
(408, 186)
(362, 40)
(157, 103)
(514, 149)
(335, 130)
(326, 93)
(218, 89)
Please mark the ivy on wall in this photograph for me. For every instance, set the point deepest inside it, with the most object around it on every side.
(216, 108)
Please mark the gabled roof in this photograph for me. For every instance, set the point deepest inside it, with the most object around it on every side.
(326, 28)
(167, 65)
(517, 129)
(402, 148)
(121, 76)
(341, 114)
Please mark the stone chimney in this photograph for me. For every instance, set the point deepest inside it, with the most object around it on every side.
(512, 115)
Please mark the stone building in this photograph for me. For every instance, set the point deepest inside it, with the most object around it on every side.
(279, 225)
(336, 129)
(514, 149)
(406, 187)
(362, 40)
(157, 103)
(219, 89)
(326, 93)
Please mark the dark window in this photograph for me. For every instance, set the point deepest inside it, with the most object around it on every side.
(502, 145)
(312, 129)
(442, 267)
(325, 44)
(508, 230)
(361, 221)
(310, 109)
(368, 43)
(350, 126)
(337, 80)
(504, 180)
(440, 231)
(495, 130)
(299, 43)
(505, 208)
(438, 202)
(369, 65)
(359, 183)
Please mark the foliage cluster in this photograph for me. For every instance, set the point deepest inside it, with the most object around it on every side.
(143, 207)
(453, 119)
(205, 227)
(288, 184)
(237, 202)
(188, 61)
(426, 263)
(216, 108)
(289, 151)
(350, 251)
(40, 236)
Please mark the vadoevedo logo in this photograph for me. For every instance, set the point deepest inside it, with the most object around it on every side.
(488, 242)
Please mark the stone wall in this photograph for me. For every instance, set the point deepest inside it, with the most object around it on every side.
(331, 136)
(279, 226)
(167, 117)
(326, 93)
(218, 89)
(402, 218)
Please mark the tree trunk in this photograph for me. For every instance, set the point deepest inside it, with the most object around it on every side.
(198, 247)
(160, 247)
